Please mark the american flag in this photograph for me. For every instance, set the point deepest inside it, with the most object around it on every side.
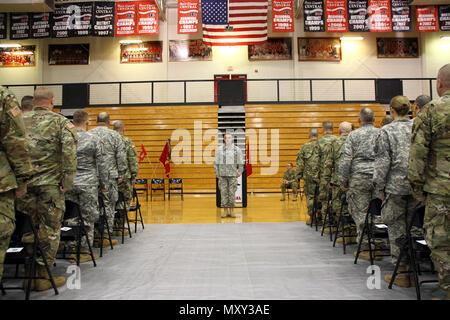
(234, 22)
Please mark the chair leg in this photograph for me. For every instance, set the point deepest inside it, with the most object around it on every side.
(413, 264)
(142, 220)
(91, 252)
(360, 243)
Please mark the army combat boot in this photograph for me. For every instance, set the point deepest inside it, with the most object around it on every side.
(404, 280)
(283, 198)
(231, 212)
(224, 212)
(42, 285)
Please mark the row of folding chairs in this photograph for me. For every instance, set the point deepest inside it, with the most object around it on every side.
(158, 187)
(413, 246)
(26, 254)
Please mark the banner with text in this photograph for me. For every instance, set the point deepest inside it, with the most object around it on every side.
(336, 15)
(125, 18)
(314, 16)
(427, 18)
(59, 26)
(444, 17)
(282, 16)
(103, 19)
(358, 15)
(40, 25)
(147, 17)
(380, 16)
(20, 26)
(401, 16)
(3, 25)
(188, 16)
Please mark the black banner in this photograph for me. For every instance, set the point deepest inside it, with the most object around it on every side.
(40, 25)
(60, 21)
(401, 15)
(3, 25)
(104, 19)
(81, 18)
(314, 16)
(20, 26)
(358, 15)
(444, 17)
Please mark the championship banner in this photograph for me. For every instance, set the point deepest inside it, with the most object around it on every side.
(3, 25)
(336, 15)
(401, 15)
(380, 16)
(427, 18)
(444, 17)
(147, 17)
(20, 26)
(81, 19)
(358, 15)
(188, 16)
(125, 18)
(282, 16)
(40, 25)
(103, 19)
(60, 21)
(314, 17)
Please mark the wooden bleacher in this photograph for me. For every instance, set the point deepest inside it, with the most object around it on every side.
(153, 125)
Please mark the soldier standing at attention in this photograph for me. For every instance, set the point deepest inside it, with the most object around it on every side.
(15, 166)
(307, 169)
(91, 174)
(126, 186)
(429, 174)
(420, 102)
(329, 179)
(228, 165)
(53, 152)
(115, 161)
(390, 179)
(26, 104)
(356, 170)
(327, 139)
(289, 180)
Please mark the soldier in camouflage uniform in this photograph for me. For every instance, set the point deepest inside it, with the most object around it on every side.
(356, 170)
(91, 174)
(53, 148)
(115, 160)
(289, 180)
(15, 166)
(327, 139)
(420, 102)
(228, 166)
(307, 169)
(429, 172)
(386, 120)
(390, 179)
(329, 179)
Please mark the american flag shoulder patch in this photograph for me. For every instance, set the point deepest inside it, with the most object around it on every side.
(70, 125)
(15, 111)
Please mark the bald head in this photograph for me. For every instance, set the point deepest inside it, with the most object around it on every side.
(43, 97)
(345, 127)
(103, 119)
(119, 126)
(313, 133)
(443, 80)
(366, 116)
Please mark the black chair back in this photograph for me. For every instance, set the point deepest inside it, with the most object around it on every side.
(375, 207)
(175, 181)
(24, 225)
(158, 181)
(72, 210)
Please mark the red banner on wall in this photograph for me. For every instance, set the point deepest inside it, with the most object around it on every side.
(427, 18)
(380, 15)
(336, 15)
(282, 16)
(188, 16)
(125, 18)
(147, 17)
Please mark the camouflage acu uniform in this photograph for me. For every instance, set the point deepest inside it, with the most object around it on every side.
(330, 173)
(390, 179)
(291, 177)
(53, 147)
(428, 174)
(227, 165)
(91, 174)
(307, 169)
(126, 186)
(114, 158)
(15, 165)
(356, 172)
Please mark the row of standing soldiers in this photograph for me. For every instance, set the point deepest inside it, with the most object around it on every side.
(45, 159)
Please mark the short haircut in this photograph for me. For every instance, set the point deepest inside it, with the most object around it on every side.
(386, 120)
(400, 104)
(444, 75)
(367, 115)
(80, 117)
(290, 164)
(103, 117)
(313, 132)
(327, 125)
(422, 100)
(345, 127)
(26, 104)
(118, 125)
(42, 95)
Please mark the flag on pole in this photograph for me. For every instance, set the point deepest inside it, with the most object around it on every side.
(142, 154)
(234, 22)
(248, 164)
(165, 158)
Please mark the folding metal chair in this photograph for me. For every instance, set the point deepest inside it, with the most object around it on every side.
(135, 206)
(176, 184)
(121, 217)
(144, 183)
(157, 184)
(344, 223)
(102, 222)
(329, 219)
